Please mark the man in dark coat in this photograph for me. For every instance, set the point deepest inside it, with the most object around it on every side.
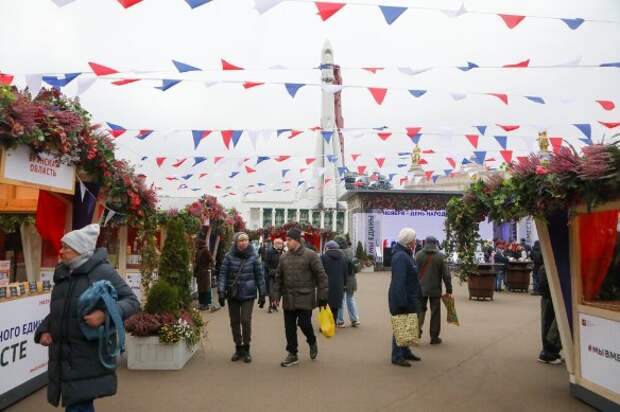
(432, 269)
(300, 277)
(537, 259)
(271, 260)
(74, 369)
(337, 269)
(404, 290)
(550, 341)
(202, 271)
(241, 276)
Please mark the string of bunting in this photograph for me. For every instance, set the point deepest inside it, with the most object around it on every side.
(110, 212)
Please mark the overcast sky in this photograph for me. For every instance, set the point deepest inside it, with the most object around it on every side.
(38, 37)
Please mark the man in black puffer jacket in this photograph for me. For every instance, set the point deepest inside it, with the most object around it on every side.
(74, 369)
(241, 275)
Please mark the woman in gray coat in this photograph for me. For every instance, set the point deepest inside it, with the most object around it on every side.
(74, 369)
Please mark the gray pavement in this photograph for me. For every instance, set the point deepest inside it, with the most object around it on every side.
(486, 364)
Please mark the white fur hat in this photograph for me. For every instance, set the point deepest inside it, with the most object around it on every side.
(83, 240)
(406, 236)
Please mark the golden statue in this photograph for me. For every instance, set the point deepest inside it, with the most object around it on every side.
(416, 156)
(543, 141)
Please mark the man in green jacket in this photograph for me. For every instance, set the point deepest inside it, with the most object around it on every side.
(432, 269)
(300, 277)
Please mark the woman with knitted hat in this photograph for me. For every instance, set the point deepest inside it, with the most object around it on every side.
(75, 372)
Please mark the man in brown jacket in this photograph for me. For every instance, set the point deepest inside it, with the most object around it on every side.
(300, 277)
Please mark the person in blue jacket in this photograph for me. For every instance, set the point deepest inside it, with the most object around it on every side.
(404, 290)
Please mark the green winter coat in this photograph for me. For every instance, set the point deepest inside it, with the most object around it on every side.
(432, 273)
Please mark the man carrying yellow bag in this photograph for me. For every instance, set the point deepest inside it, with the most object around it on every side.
(327, 322)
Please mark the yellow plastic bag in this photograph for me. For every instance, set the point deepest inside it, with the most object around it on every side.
(406, 329)
(327, 322)
(450, 309)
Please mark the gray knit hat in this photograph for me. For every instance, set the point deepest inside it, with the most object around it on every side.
(82, 240)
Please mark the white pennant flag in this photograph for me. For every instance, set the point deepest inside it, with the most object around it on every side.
(412, 72)
(278, 67)
(82, 190)
(84, 84)
(33, 82)
(458, 96)
(574, 62)
(253, 135)
(455, 13)
(263, 6)
(61, 3)
(332, 88)
(266, 134)
(109, 216)
(209, 84)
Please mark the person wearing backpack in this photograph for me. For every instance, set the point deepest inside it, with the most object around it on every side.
(241, 277)
(432, 269)
(75, 371)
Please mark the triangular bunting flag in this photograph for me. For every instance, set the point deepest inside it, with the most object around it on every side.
(610, 125)
(249, 170)
(327, 135)
(391, 13)
(295, 133)
(384, 135)
(452, 162)
(167, 83)
(380, 161)
(179, 162)
(480, 155)
(236, 135)
(293, 88)
(573, 24)
(160, 161)
(428, 174)
(412, 131)
(455, 13)
(523, 64)
(508, 128)
(501, 96)
(473, 139)
(187, 177)
(217, 159)
(606, 104)
(481, 129)
(198, 160)
(143, 134)
(612, 64)
(198, 135)
(361, 169)
(183, 68)
(226, 137)
(417, 93)
(249, 85)
(228, 66)
(284, 172)
(281, 158)
(556, 143)
(458, 96)
(60, 81)
(535, 99)
(416, 138)
(101, 70)
(261, 159)
(469, 66)
(584, 128)
(354, 156)
(435, 178)
(511, 20)
(373, 70)
(6, 79)
(116, 130)
(310, 160)
(128, 3)
(502, 140)
(328, 9)
(332, 158)
(233, 174)
(265, 5)
(123, 82)
(378, 94)
(447, 172)
(82, 86)
(196, 3)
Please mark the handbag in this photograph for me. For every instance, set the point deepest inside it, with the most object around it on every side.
(326, 320)
(452, 317)
(233, 290)
(406, 329)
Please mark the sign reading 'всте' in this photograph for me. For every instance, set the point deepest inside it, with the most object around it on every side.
(21, 167)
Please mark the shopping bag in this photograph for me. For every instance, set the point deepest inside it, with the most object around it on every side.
(327, 322)
(406, 329)
(452, 317)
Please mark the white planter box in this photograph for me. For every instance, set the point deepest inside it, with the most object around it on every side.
(366, 269)
(149, 353)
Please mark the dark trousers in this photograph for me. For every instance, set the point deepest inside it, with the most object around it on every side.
(241, 319)
(435, 304)
(551, 344)
(204, 298)
(303, 319)
(536, 279)
(399, 353)
(87, 406)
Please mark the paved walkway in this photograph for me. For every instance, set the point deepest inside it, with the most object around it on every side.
(486, 364)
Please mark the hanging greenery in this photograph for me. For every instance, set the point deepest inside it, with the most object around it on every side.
(12, 222)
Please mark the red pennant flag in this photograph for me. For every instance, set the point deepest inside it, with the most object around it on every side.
(117, 133)
(128, 3)
(384, 135)
(511, 20)
(327, 180)
(524, 63)
(249, 85)
(227, 136)
(428, 174)
(452, 162)
(50, 218)
(606, 104)
(202, 175)
(218, 187)
(473, 139)
(179, 162)
(380, 161)
(355, 156)
(423, 162)
(556, 143)
(249, 170)
(507, 155)
(303, 169)
(217, 159)
(403, 180)
(295, 133)
(522, 159)
(327, 9)
(509, 128)
(373, 70)
(229, 66)
(281, 158)
(123, 82)
(428, 151)
(316, 128)
(378, 93)
(171, 178)
(501, 96)
(412, 131)
(610, 125)
(361, 170)
(310, 160)
(101, 70)
(6, 79)
(160, 161)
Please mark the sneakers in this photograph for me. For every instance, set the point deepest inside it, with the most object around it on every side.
(401, 362)
(356, 324)
(291, 360)
(549, 359)
(340, 325)
(314, 351)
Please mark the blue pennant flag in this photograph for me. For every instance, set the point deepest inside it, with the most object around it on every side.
(612, 64)
(342, 170)
(535, 99)
(326, 66)
(400, 165)
(280, 131)
(197, 136)
(447, 172)
(585, 128)
(59, 81)
(469, 66)
(391, 176)
(416, 139)
(503, 141)
(233, 174)
(198, 160)
(261, 159)
(144, 158)
(196, 3)
(236, 135)
(261, 184)
(284, 172)
(183, 186)
(403, 154)
(293, 88)
(435, 178)
(167, 83)
(465, 161)
(196, 189)
(417, 93)
(480, 155)
(115, 126)
(481, 129)
(301, 182)
(186, 177)
(573, 24)
(391, 13)
(182, 67)
(143, 134)
(277, 190)
(331, 158)
(327, 135)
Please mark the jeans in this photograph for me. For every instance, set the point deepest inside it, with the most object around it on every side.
(399, 353)
(87, 406)
(349, 301)
(303, 319)
(435, 304)
(499, 279)
(241, 317)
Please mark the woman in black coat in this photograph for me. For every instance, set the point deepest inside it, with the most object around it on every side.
(74, 369)
(202, 271)
(337, 269)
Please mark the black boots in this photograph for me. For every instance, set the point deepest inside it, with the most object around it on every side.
(242, 353)
(247, 358)
(238, 355)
